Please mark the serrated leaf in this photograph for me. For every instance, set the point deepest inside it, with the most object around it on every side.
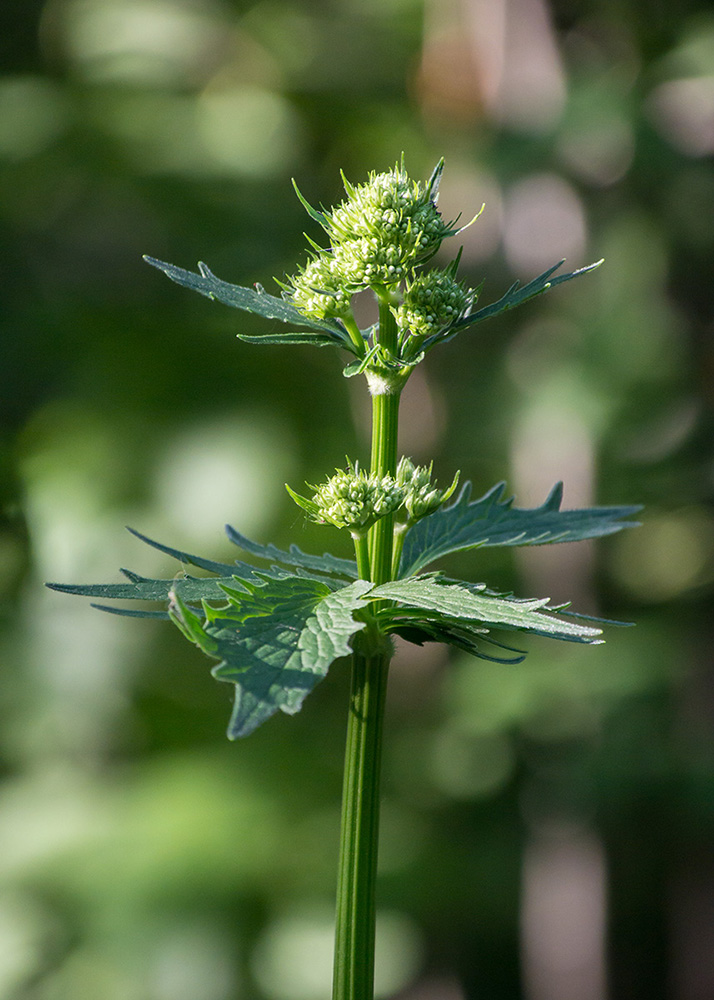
(491, 520)
(325, 563)
(132, 612)
(276, 643)
(333, 573)
(517, 295)
(469, 639)
(192, 589)
(219, 568)
(254, 300)
(451, 604)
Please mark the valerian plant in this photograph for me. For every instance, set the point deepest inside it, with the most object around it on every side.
(276, 628)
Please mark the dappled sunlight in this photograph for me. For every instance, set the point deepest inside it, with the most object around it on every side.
(247, 130)
(145, 42)
(497, 57)
(684, 111)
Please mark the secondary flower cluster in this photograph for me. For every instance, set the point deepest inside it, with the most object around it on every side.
(379, 236)
(355, 500)
(432, 301)
(421, 496)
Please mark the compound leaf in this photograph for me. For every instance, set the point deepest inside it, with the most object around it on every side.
(274, 643)
(491, 520)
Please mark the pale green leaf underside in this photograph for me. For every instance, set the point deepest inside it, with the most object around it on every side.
(276, 644)
(257, 300)
(457, 604)
(491, 520)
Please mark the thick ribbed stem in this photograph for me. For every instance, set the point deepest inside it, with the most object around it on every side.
(355, 930)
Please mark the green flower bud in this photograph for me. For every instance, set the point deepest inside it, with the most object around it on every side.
(384, 227)
(421, 495)
(433, 301)
(353, 499)
(319, 291)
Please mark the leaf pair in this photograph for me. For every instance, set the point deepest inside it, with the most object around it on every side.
(331, 332)
(276, 641)
(278, 628)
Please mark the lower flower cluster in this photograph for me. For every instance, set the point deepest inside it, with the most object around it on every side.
(355, 500)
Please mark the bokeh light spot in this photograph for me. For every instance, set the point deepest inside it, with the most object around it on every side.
(33, 113)
(247, 130)
(221, 472)
(293, 959)
(668, 555)
(544, 222)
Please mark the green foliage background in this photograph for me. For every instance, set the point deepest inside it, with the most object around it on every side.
(142, 855)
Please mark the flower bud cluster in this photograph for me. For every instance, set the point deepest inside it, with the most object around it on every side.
(378, 235)
(421, 495)
(384, 228)
(354, 500)
(432, 302)
(319, 291)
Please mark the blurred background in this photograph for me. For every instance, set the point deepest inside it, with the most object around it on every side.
(547, 828)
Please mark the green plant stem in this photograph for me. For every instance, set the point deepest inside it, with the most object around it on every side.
(385, 421)
(356, 888)
(362, 555)
(355, 929)
(355, 335)
(400, 533)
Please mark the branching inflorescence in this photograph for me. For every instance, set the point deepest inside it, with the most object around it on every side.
(276, 628)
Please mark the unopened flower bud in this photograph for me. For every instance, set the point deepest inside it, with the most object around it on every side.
(319, 290)
(421, 495)
(433, 302)
(353, 499)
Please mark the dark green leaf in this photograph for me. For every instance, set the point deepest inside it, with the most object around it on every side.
(194, 590)
(253, 300)
(219, 568)
(191, 589)
(490, 520)
(515, 296)
(132, 612)
(325, 563)
(276, 643)
(470, 640)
